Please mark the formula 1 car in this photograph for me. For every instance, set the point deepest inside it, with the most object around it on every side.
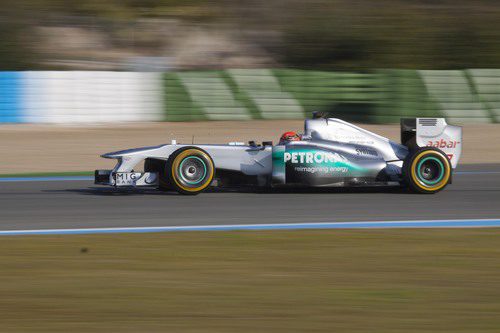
(330, 153)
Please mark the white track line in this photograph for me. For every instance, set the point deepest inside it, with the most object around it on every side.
(469, 223)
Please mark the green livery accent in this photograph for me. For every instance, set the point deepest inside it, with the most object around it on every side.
(278, 156)
(318, 157)
(279, 170)
(312, 166)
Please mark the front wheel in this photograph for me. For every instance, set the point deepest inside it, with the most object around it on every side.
(190, 170)
(427, 170)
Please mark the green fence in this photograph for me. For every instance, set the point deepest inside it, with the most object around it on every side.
(381, 96)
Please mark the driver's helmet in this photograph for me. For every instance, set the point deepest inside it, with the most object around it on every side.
(289, 136)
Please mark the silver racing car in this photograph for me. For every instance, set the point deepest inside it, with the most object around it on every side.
(330, 153)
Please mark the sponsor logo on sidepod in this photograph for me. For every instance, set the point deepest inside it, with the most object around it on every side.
(312, 157)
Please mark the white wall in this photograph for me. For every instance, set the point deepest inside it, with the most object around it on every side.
(91, 97)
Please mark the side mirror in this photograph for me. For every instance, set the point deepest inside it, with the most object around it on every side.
(318, 115)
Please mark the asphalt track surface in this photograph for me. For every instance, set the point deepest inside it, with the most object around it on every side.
(474, 194)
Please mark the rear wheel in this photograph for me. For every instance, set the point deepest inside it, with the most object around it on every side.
(427, 170)
(190, 170)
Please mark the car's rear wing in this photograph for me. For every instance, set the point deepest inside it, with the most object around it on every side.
(433, 132)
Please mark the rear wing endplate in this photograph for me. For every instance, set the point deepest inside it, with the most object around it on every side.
(433, 132)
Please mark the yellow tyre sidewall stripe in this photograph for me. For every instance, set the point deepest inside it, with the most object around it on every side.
(184, 154)
(447, 171)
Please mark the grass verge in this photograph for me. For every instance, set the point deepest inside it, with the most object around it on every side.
(283, 281)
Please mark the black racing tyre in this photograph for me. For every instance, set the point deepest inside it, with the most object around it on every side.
(427, 170)
(190, 170)
(155, 165)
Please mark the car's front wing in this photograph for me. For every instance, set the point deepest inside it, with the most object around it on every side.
(134, 179)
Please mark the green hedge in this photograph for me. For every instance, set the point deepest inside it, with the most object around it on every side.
(379, 96)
